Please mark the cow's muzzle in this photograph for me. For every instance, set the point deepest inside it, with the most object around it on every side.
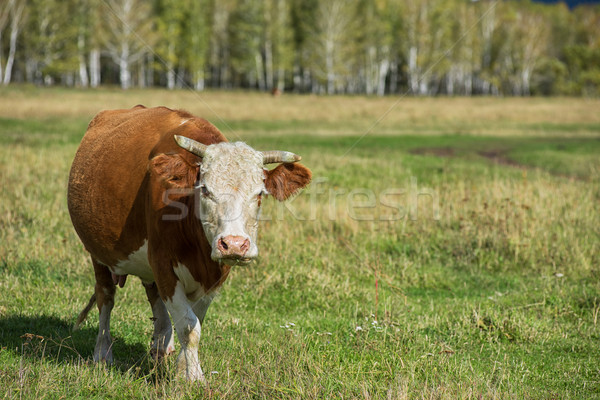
(234, 248)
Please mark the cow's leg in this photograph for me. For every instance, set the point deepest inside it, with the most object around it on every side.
(105, 295)
(188, 330)
(162, 339)
(200, 306)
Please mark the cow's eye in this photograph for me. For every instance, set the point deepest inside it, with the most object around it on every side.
(204, 190)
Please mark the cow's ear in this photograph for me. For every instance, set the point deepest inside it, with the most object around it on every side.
(286, 179)
(172, 171)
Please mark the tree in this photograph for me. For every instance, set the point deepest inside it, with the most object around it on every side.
(246, 30)
(88, 29)
(219, 59)
(15, 11)
(128, 34)
(170, 27)
(302, 20)
(5, 6)
(583, 56)
(50, 47)
(197, 32)
(278, 43)
(375, 41)
(332, 43)
(530, 43)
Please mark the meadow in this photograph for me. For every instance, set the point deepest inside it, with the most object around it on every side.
(447, 248)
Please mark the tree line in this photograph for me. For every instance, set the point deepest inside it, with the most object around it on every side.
(421, 47)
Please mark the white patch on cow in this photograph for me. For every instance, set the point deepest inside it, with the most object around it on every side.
(136, 264)
(188, 330)
(191, 287)
(184, 121)
(194, 291)
(231, 179)
(103, 349)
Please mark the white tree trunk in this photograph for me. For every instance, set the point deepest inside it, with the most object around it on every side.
(412, 70)
(14, 32)
(329, 49)
(369, 71)
(180, 77)
(124, 74)
(16, 13)
(83, 75)
(525, 82)
(394, 76)
(260, 72)
(150, 71)
(199, 82)
(94, 68)
(170, 77)
(281, 78)
(450, 82)
(269, 63)
(141, 78)
(384, 67)
(1, 51)
(5, 11)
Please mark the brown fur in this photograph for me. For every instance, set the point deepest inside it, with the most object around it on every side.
(286, 180)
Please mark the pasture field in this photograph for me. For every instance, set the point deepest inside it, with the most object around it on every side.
(451, 250)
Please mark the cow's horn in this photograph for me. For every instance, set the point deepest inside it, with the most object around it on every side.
(278, 156)
(191, 145)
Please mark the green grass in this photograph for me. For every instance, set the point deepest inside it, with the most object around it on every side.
(498, 298)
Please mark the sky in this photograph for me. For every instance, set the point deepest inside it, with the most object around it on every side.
(571, 3)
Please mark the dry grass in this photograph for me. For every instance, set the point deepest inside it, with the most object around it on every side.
(326, 115)
(498, 298)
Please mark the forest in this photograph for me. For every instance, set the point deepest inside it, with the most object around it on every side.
(373, 47)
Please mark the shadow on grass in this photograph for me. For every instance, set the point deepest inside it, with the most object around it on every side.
(51, 339)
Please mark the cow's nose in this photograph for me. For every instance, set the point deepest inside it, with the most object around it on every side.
(233, 246)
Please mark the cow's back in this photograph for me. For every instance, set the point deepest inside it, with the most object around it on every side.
(108, 182)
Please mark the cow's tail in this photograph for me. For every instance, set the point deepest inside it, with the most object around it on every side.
(83, 314)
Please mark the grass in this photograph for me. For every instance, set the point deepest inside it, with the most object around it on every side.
(497, 298)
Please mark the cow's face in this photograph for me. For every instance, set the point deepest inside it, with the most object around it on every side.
(230, 183)
(230, 188)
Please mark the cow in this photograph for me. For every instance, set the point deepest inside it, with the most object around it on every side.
(162, 195)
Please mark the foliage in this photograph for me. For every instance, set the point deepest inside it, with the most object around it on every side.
(422, 47)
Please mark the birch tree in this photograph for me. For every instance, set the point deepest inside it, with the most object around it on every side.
(219, 51)
(332, 42)
(302, 22)
(279, 50)
(49, 46)
(375, 44)
(532, 34)
(4, 13)
(246, 30)
(128, 34)
(15, 12)
(170, 27)
(197, 32)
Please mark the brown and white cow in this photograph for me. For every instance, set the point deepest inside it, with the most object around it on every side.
(160, 194)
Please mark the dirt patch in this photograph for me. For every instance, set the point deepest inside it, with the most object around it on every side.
(496, 156)
(500, 157)
(434, 151)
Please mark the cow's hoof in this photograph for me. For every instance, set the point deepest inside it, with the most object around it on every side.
(103, 357)
(159, 354)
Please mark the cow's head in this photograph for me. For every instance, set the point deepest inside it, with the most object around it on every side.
(230, 185)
